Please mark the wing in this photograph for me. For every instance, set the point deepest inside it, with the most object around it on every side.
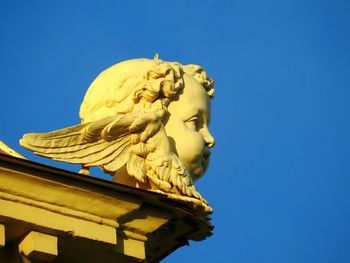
(91, 144)
(107, 142)
(137, 140)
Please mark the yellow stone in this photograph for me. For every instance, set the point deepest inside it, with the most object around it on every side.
(5, 149)
(94, 220)
(132, 248)
(146, 123)
(2, 235)
(39, 246)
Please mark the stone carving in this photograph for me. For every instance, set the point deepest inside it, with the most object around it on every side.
(145, 122)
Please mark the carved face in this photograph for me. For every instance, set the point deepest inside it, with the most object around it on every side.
(187, 127)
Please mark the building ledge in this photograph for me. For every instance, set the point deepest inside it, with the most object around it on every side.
(87, 219)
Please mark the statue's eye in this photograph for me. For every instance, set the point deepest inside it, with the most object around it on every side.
(192, 123)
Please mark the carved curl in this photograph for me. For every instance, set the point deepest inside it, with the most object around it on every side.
(138, 85)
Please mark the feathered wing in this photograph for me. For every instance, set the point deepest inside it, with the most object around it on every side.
(90, 144)
(138, 141)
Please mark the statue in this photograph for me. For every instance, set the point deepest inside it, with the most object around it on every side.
(145, 122)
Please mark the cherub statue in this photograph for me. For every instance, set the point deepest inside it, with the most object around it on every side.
(145, 122)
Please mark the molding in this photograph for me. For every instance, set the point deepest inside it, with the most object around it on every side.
(101, 218)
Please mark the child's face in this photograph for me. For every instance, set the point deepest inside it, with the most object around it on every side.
(187, 127)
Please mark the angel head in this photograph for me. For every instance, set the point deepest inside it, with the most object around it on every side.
(181, 94)
(145, 122)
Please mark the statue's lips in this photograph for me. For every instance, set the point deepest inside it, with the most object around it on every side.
(206, 154)
(205, 159)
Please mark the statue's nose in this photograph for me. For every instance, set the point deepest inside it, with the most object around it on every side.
(209, 139)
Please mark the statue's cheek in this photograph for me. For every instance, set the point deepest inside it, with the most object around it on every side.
(193, 146)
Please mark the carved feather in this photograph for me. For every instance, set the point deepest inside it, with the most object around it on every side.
(137, 140)
(89, 144)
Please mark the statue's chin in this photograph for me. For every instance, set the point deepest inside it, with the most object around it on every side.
(196, 171)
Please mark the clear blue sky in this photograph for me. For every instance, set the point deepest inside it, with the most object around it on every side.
(279, 179)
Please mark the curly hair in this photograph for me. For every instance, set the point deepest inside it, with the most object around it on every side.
(138, 85)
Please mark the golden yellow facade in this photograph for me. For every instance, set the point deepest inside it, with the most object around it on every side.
(59, 216)
(146, 123)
